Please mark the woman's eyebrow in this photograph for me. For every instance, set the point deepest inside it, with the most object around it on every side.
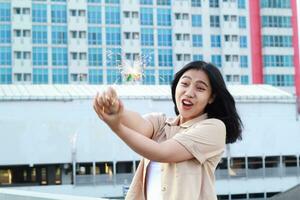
(185, 76)
(199, 81)
(202, 82)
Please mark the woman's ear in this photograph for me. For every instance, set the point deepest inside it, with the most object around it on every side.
(212, 98)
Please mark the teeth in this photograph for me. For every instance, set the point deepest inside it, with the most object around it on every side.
(187, 103)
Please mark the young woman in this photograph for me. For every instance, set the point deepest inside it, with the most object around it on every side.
(181, 153)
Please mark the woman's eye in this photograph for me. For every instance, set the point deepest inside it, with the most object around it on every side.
(200, 89)
(184, 84)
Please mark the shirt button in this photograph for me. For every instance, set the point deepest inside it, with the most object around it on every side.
(162, 169)
(163, 189)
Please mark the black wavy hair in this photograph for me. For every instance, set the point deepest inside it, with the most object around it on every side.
(223, 106)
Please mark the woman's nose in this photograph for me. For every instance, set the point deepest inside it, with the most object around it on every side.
(190, 92)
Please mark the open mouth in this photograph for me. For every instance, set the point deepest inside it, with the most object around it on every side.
(187, 103)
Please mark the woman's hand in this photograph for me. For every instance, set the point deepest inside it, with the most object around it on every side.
(108, 100)
(109, 108)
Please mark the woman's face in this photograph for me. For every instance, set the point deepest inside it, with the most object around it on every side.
(193, 93)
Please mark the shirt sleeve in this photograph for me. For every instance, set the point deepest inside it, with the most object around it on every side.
(204, 140)
(158, 121)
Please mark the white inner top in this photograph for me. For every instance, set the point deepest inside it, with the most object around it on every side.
(153, 181)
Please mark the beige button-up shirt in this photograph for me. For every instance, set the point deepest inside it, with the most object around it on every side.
(191, 179)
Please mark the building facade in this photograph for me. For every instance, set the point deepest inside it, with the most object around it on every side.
(86, 41)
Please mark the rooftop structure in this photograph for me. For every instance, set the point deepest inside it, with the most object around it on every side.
(52, 141)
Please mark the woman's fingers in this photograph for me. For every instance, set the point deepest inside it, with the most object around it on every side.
(111, 92)
(97, 107)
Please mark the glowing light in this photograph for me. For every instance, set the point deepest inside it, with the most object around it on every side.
(132, 71)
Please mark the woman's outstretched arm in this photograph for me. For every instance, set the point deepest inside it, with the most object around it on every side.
(108, 101)
(168, 151)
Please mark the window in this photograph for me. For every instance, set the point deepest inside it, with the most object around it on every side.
(59, 57)
(114, 76)
(58, 13)
(39, 34)
(165, 58)
(112, 1)
(5, 12)
(59, 34)
(5, 74)
(216, 60)
(276, 21)
(113, 57)
(94, 1)
(277, 41)
(39, 12)
(5, 34)
(243, 41)
(73, 13)
(239, 196)
(237, 164)
(256, 195)
(5, 56)
(95, 76)
(95, 56)
(279, 80)
(60, 76)
(215, 40)
(40, 56)
(214, 21)
(148, 57)
(124, 167)
(275, 3)
(163, 2)
(95, 35)
(197, 40)
(196, 3)
(147, 37)
(17, 11)
(146, 16)
(165, 77)
(163, 17)
(94, 14)
(164, 37)
(242, 22)
(112, 15)
(149, 77)
(223, 197)
(146, 2)
(213, 3)
(40, 76)
(244, 61)
(113, 36)
(278, 61)
(196, 20)
(186, 37)
(289, 161)
(197, 57)
(244, 79)
(17, 32)
(26, 11)
(126, 14)
(185, 16)
(241, 4)
(18, 54)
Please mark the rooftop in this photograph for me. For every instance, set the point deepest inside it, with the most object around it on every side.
(73, 92)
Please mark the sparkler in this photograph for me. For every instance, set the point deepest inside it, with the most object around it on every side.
(132, 71)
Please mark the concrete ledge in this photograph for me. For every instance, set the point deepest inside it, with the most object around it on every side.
(13, 194)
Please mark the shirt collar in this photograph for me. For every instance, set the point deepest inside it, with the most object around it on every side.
(175, 121)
